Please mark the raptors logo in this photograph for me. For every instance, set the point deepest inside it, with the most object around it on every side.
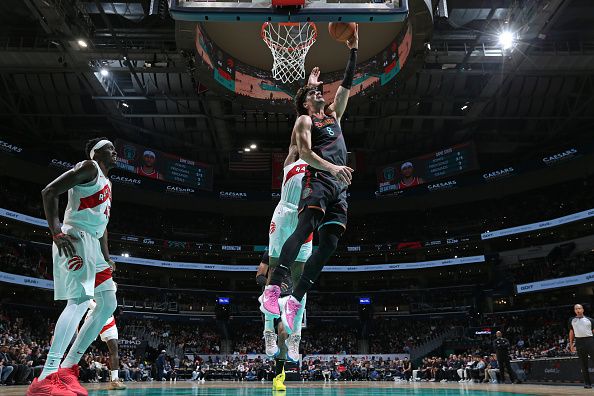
(272, 227)
(75, 263)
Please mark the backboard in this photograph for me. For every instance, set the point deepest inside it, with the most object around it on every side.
(311, 11)
(227, 39)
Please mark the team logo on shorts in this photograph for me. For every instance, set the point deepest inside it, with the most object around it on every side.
(306, 192)
(75, 263)
(272, 227)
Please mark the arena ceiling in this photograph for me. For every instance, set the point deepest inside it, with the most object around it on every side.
(510, 103)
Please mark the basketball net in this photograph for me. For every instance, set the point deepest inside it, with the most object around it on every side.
(289, 43)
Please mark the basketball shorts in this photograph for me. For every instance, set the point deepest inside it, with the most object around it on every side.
(109, 331)
(85, 273)
(323, 192)
(283, 224)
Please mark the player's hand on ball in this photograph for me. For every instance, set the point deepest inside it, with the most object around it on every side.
(343, 174)
(65, 244)
(353, 42)
(313, 77)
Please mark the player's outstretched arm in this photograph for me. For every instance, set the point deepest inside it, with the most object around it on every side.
(51, 199)
(303, 134)
(342, 94)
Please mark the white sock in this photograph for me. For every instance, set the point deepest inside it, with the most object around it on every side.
(268, 323)
(63, 333)
(114, 375)
(106, 304)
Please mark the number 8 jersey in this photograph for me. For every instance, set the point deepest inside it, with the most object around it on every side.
(327, 140)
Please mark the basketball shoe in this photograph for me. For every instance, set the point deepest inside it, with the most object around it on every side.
(289, 307)
(270, 342)
(292, 343)
(269, 301)
(49, 386)
(69, 377)
(278, 383)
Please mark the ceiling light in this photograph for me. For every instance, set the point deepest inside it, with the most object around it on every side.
(253, 146)
(125, 104)
(464, 107)
(104, 72)
(247, 149)
(82, 43)
(506, 39)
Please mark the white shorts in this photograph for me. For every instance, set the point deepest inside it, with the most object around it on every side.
(85, 273)
(109, 331)
(283, 224)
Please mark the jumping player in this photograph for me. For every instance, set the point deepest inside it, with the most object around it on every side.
(323, 202)
(109, 335)
(82, 267)
(282, 225)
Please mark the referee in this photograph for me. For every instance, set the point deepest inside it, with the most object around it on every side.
(501, 346)
(580, 330)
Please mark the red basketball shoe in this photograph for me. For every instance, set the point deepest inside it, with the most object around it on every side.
(49, 386)
(69, 377)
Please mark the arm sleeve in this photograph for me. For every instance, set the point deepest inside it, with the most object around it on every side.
(349, 73)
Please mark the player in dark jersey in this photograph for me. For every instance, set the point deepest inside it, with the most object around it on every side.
(323, 204)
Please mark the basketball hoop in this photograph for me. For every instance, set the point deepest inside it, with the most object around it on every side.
(289, 43)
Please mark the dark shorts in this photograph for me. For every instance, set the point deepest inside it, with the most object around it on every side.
(322, 191)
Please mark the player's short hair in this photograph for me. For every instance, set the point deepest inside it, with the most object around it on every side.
(300, 99)
(90, 144)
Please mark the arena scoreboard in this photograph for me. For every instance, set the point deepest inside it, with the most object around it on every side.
(169, 168)
(427, 168)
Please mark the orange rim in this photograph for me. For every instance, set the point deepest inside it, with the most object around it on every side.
(270, 44)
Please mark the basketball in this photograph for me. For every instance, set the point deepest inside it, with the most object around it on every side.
(342, 31)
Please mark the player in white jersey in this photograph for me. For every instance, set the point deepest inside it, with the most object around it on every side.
(109, 335)
(283, 223)
(82, 267)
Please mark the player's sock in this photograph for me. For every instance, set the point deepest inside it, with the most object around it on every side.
(106, 304)
(114, 375)
(63, 333)
(268, 324)
(279, 367)
(328, 241)
(308, 220)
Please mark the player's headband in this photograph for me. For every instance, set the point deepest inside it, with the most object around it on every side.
(97, 146)
(406, 165)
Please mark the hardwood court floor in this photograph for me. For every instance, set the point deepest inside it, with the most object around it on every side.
(323, 389)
